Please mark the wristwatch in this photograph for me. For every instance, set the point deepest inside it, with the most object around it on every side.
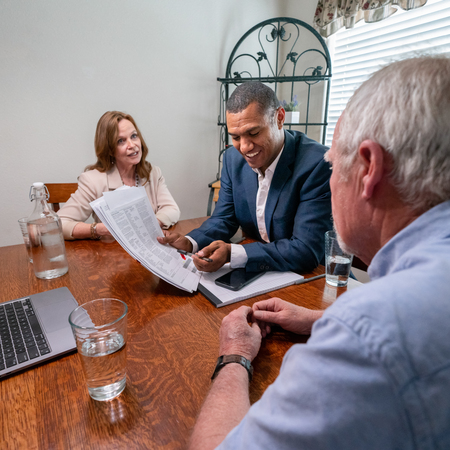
(94, 234)
(227, 359)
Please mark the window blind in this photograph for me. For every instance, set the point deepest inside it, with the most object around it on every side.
(360, 51)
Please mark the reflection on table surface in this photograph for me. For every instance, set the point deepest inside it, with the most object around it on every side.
(172, 349)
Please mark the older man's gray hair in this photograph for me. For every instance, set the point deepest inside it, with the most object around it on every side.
(405, 107)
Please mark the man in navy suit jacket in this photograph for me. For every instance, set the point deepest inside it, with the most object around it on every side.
(274, 185)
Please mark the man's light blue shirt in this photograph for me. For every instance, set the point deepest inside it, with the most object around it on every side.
(375, 373)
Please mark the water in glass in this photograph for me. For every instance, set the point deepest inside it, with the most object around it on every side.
(104, 364)
(338, 270)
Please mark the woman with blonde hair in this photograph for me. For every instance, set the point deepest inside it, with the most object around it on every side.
(121, 160)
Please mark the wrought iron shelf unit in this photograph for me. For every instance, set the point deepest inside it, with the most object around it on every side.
(293, 58)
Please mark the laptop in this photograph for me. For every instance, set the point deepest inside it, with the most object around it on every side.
(35, 329)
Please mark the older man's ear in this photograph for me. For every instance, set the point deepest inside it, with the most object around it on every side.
(371, 156)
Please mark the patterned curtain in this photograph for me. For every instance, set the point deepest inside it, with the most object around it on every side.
(332, 15)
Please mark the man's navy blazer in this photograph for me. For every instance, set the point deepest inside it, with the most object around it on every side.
(298, 208)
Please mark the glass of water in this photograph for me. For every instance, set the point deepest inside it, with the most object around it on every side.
(26, 237)
(337, 262)
(100, 330)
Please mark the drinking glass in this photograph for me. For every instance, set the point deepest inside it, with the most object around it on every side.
(100, 330)
(337, 262)
(26, 237)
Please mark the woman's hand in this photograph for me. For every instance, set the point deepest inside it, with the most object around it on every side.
(101, 230)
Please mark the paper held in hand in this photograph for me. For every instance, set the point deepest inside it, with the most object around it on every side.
(129, 216)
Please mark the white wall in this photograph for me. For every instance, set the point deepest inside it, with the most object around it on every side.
(64, 63)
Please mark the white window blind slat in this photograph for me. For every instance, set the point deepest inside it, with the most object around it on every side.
(380, 51)
(398, 30)
(440, 34)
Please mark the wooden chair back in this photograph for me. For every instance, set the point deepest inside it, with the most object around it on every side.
(214, 187)
(60, 193)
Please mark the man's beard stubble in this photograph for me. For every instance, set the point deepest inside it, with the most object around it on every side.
(346, 248)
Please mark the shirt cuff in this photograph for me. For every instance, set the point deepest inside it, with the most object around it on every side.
(194, 244)
(238, 258)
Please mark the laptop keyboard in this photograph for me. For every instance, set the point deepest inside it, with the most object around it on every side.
(21, 336)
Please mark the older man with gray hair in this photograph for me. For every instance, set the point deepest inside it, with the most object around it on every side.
(375, 373)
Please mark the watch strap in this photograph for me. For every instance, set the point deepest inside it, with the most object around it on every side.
(223, 360)
(94, 234)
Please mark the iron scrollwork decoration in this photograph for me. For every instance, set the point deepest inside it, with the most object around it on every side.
(281, 51)
(291, 56)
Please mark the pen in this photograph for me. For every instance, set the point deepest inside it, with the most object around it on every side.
(305, 280)
(184, 252)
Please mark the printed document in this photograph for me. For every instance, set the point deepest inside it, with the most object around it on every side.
(129, 216)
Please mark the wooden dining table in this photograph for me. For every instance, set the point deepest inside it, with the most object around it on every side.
(171, 353)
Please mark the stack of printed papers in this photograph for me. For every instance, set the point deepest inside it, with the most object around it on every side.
(129, 216)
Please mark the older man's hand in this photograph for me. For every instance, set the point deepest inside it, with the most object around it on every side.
(237, 336)
(289, 316)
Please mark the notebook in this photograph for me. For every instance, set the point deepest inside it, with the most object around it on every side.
(35, 329)
(219, 296)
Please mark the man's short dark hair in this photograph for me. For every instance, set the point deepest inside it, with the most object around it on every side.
(250, 92)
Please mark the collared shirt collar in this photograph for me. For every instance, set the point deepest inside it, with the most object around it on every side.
(435, 221)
